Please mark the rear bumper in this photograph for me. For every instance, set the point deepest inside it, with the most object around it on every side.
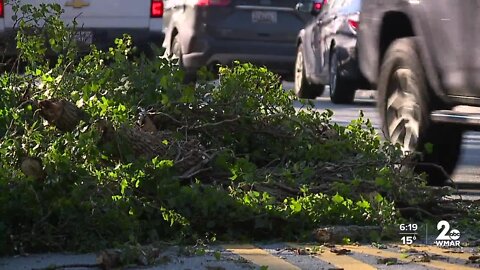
(102, 38)
(278, 56)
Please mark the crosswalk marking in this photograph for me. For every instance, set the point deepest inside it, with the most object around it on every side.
(440, 251)
(260, 257)
(399, 256)
(340, 261)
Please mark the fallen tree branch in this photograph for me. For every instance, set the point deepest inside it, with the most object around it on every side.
(416, 209)
(216, 123)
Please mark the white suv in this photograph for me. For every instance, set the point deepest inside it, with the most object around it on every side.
(101, 21)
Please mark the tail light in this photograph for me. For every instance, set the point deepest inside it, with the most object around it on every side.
(354, 22)
(317, 6)
(1, 8)
(156, 10)
(206, 3)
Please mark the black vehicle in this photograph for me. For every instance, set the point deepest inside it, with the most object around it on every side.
(209, 32)
(423, 58)
(327, 51)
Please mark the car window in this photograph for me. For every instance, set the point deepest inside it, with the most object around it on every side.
(336, 4)
(349, 6)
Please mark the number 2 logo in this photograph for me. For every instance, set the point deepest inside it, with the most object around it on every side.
(446, 233)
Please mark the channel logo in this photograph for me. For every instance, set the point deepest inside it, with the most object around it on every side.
(447, 237)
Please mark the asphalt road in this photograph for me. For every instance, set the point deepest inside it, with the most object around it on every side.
(467, 174)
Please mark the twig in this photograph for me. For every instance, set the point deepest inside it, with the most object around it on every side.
(191, 174)
(73, 265)
(286, 188)
(216, 123)
(449, 179)
(63, 75)
(273, 134)
(417, 209)
(271, 162)
(167, 115)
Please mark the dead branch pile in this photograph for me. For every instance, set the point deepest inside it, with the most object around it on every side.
(144, 141)
(191, 140)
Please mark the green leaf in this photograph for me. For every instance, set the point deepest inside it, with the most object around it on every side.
(429, 148)
(364, 204)
(346, 241)
(382, 182)
(188, 94)
(217, 255)
(200, 252)
(337, 199)
(379, 198)
(295, 206)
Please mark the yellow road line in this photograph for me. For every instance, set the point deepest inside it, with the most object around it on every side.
(260, 257)
(399, 256)
(440, 251)
(341, 261)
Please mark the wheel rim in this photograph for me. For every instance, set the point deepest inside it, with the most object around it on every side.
(333, 75)
(299, 72)
(402, 111)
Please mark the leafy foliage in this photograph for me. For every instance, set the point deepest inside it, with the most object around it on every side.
(275, 170)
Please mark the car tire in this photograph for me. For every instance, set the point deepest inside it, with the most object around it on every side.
(302, 87)
(405, 103)
(342, 91)
(178, 54)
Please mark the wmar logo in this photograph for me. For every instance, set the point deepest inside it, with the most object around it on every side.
(447, 237)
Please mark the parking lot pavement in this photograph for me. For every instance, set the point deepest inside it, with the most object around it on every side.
(279, 256)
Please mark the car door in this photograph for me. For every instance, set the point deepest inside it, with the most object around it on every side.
(453, 35)
(320, 32)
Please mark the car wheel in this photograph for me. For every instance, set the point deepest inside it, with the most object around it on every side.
(177, 54)
(303, 88)
(405, 104)
(341, 91)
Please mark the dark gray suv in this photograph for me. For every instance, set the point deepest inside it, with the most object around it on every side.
(327, 50)
(210, 32)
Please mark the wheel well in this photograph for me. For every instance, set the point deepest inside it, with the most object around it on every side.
(332, 45)
(299, 41)
(395, 25)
